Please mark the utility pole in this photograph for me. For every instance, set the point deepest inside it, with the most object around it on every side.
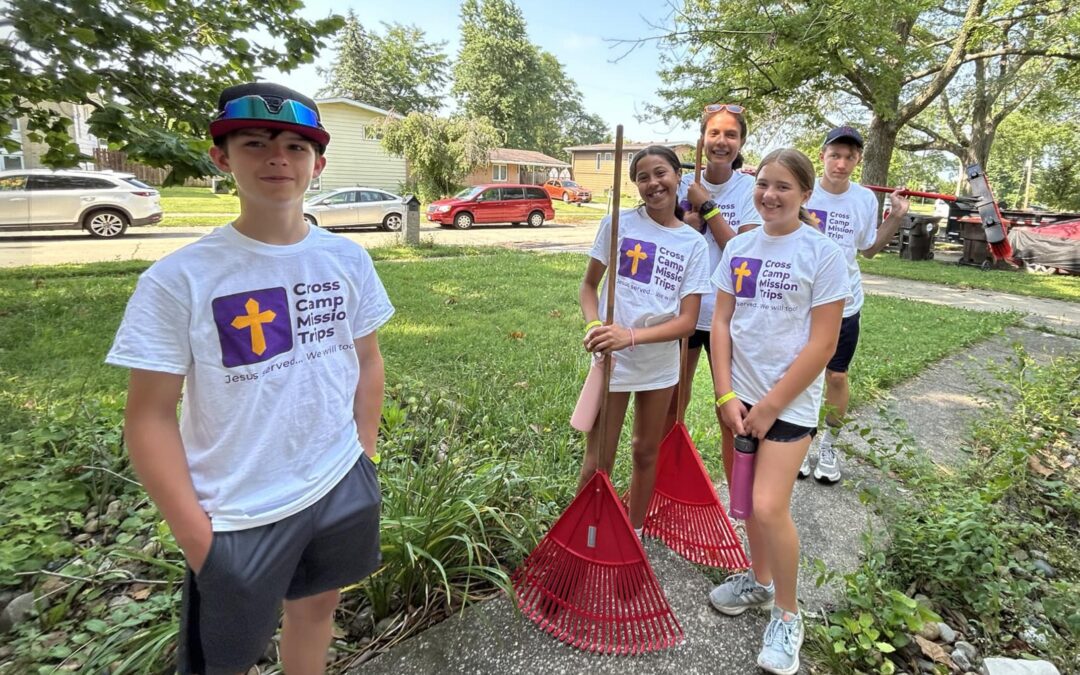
(1027, 184)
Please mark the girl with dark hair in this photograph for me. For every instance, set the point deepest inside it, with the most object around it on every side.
(781, 292)
(660, 277)
(721, 206)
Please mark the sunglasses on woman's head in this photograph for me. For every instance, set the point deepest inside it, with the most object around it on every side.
(721, 107)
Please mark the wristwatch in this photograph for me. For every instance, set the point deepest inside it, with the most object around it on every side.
(706, 206)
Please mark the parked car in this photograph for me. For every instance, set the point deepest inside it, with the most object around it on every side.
(500, 203)
(350, 207)
(568, 191)
(103, 203)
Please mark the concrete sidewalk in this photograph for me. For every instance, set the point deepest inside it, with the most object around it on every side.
(1041, 312)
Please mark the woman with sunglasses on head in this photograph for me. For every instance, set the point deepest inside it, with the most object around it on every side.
(720, 207)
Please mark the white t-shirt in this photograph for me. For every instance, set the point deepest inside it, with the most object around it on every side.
(850, 219)
(736, 201)
(264, 337)
(776, 281)
(658, 267)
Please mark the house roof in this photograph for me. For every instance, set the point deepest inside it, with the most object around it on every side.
(608, 147)
(527, 157)
(357, 104)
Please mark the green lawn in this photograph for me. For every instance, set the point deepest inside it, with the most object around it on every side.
(572, 213)
(483, 365)
(197, 200)
(1056, 287)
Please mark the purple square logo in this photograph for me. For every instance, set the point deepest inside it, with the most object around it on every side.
(819, 219)
(744, 273)
(636, 259)
(253, 326)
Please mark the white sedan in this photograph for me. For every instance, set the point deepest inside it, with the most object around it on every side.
(356, 206)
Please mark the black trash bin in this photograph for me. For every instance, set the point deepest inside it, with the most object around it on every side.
(917, 234)
(976, 250)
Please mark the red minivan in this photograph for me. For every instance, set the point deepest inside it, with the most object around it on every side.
(493, 204)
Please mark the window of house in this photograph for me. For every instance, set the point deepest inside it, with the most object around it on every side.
(629, 156)
(498, 172)
(609, 156)
(11, 162)
(598, 156)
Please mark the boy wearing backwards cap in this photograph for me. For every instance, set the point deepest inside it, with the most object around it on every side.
(268, 326)
(848, 213)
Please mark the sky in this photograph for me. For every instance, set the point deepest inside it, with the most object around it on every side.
(582, 34)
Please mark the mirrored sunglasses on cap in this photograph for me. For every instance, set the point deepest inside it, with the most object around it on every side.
(255, 107)
(722, 107)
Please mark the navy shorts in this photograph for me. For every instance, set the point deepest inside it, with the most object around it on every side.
(701, 338)
(785, 432)
(230, 608)
(845, 346)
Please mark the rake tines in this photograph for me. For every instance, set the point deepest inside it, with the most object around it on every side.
(589, 584)
(684, 510)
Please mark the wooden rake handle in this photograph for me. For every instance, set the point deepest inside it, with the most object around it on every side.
(612, 273)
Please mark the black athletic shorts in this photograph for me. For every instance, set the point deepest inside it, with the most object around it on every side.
(701, 338)
(785, 432)
(230, 609)
(845, 346)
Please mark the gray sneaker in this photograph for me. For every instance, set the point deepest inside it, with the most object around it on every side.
(828, 463)
(780, 648)
(740, 592)
(804, 470)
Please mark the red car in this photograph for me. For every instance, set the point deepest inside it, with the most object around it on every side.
(567, 190)
(500, 203)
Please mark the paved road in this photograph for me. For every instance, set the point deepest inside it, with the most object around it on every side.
(151, 243)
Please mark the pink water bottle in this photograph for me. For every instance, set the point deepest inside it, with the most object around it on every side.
(742, 477)
(588, 403)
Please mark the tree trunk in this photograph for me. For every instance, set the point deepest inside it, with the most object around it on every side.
(880, 142)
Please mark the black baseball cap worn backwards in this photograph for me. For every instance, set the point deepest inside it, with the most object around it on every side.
(268, 106)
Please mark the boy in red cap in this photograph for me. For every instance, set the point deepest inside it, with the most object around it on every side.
(268, 327)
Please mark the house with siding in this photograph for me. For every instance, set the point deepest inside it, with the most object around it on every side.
(593, 166)
(508, 165)
(29, 153)
(355, 155)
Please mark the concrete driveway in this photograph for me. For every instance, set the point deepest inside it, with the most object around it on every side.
(151, 243)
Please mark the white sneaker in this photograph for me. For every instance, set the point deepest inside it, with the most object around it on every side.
(828, 464)
(804, 470)
(780, 648)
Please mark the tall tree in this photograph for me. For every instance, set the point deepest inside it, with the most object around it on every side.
(892, 60)
(964, 119)
(498, 72)
(440, 151)
(151, 70)
(398, 70)
(522, 89)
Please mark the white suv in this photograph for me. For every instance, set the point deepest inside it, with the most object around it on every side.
(103, 203)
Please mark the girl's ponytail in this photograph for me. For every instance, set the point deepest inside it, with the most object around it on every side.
(737, 164)
(804, 215)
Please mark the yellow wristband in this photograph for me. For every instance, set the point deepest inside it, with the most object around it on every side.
(710, 214)
(593, 324)
(375, 459)
(725, 398)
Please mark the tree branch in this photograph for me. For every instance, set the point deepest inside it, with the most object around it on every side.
(1004, 51)
(948, 69)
